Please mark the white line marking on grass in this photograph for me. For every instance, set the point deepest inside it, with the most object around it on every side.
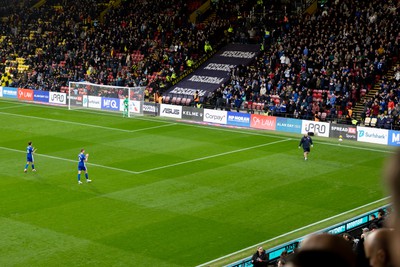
(10, 107)
(90, 111)
(70, 160)
(214, 156)
(294, 231)
(153, 169)
(88, 125)
(356, 147)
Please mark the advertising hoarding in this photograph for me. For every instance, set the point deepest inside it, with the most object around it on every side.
(263, 122)
(215, 116)
(238, 119)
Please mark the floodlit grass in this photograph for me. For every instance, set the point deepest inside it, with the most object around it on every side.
(164, 193)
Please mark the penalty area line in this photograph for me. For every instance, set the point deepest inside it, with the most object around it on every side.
(70, 160)
(89, 125)
(213, 156)
(157, 168)
(292, 232)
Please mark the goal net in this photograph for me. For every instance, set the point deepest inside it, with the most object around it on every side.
(84, 95)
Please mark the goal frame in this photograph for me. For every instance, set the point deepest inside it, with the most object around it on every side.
(86, 95)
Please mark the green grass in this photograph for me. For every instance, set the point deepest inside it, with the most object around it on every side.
(165, 193)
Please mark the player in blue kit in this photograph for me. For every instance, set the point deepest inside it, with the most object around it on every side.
(306, 142)
(29, 157)
(82, 159)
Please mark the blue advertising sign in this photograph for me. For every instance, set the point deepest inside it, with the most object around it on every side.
(394, 138)
(239, 119)
(110, 103)
(357, 222)
(288, 125)
(10, 92)
(41, 96)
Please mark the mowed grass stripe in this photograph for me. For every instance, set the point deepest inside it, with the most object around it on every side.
(43, 247)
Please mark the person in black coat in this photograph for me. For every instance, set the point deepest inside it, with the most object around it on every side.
(306, 142)
(259, 258)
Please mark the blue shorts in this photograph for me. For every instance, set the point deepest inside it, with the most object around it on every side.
(29, 158)
(81, 168)
(306, 149)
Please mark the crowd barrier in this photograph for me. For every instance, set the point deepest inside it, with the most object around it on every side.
(229, 118)
(350, 226)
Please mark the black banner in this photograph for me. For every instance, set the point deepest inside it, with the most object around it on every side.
(191, 113)
(215, 71)
(346, 131)
(151, 109)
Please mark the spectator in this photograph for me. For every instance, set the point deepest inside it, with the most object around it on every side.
(323, 250)
(377, 248)
(392, 179)
(259, 258)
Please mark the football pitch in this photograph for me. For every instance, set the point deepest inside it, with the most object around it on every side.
(167, 193)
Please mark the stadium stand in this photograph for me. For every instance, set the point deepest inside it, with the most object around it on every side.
(333, 58)
(136, 43)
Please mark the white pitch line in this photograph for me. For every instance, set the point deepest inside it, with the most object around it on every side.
(213, 156)
(354, 147)
(292, 232)
(88, 125)
(89, 111)
(70, 160)
(249, 132)
(153, 169)
(10, 107)
(246, 131)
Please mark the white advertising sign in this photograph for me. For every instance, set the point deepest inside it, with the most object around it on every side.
(316, 127)
(372, 135)
(215, 116)
(94, 102)
(58, 98)
(134, 106)
(171, 111)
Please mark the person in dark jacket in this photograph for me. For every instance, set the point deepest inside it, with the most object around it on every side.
(306, 142)
(259, 258)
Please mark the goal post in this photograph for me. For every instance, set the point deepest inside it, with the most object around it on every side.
(84, 95)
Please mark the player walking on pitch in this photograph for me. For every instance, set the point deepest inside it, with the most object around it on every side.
(29, 157)
(82, 159)
(306, 142)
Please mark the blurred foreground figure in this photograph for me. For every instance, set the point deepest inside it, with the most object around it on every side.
(392, 180)
(323, 250)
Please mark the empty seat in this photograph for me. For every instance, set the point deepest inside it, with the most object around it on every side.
(373, 122)
(367, 121)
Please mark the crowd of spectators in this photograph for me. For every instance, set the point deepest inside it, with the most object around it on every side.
(308, 66)
(139, 43)
(323, 63)
(8, 7)
(383, 109)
